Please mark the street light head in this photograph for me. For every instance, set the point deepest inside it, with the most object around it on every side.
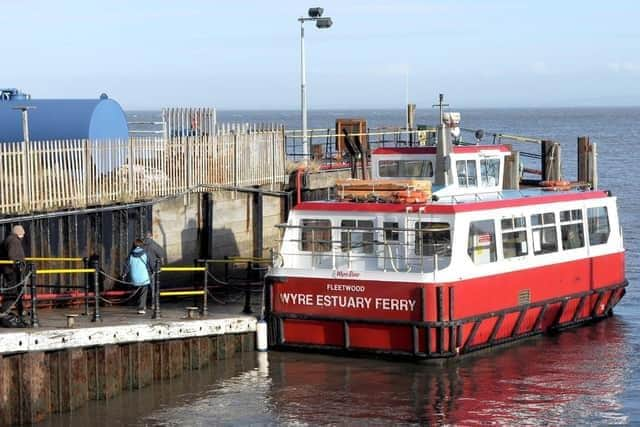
(324, 22)
(316, 12)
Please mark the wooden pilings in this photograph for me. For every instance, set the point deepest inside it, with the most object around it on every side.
(551, 161)
(587, 162)
(512, 171)
(35, 384)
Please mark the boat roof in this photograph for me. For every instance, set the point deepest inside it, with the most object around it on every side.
(457, 149)
(458, 204)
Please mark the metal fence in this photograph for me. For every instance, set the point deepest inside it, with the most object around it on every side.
(51, 175)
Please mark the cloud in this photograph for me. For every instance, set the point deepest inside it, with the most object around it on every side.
(624, 67)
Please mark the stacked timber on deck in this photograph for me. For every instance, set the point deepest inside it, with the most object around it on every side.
(384, 190)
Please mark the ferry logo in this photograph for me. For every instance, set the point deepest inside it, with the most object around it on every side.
(345, 274)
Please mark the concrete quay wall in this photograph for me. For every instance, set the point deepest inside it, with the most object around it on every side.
(58, 370)
(182, 225)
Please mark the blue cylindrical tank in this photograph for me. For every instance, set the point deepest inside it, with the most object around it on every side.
(51, 119)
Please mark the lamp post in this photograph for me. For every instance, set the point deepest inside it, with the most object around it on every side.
(315, 14)
(26, 172)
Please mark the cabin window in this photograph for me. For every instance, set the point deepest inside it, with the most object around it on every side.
(514, 237)
(490, 172)
(405, 168)
(391, 233)
(571, 229)
(543, 232)
(598, 221)
(315, 235)
(354, 236)
(482, 242)
(467, 174)
(433, 238)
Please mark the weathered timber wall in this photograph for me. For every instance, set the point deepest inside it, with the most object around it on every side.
(179, 225)
(36, 384)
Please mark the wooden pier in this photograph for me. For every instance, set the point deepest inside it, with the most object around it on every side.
(57, 369)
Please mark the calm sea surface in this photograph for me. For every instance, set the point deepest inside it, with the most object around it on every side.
(589, 375)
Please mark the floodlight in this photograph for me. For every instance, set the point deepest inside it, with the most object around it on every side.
(316, 12)
(324, 22)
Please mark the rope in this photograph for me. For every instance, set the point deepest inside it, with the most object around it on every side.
(4, 313)
(218, 300)
(124, 282)
(21, 283)
(222, 282)
(121, 301)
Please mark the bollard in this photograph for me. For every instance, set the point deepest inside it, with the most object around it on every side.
(261, 335)
(71, 320)
(96, 289)
(86, 287)
(191, 311)
(205, 308)
(156, 293)
(34, 303)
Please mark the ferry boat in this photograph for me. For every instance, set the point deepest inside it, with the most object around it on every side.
(434, 259)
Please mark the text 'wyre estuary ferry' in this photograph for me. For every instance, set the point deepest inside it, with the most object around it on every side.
(432, 258)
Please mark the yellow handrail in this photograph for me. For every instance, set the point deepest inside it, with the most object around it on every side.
(180, 293)
(163, 269)
(69, 259)
(65, 270)
(236, 259)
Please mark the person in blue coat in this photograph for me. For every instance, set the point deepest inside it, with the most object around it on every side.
(139, 270)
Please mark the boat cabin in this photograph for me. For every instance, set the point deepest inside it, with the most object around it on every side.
(449, 239)
(472, 168)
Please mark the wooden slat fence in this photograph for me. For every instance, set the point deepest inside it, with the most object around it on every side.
(53, 175)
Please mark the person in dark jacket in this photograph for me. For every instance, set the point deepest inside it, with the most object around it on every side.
(11, 249)
(154, 251)
(139, 271)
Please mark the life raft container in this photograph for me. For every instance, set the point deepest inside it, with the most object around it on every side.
(411, 196)
(556, 185)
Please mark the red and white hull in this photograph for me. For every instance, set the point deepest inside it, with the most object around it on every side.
(432, 320)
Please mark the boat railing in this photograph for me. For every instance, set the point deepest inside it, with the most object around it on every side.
(410, 251)
(323, 143)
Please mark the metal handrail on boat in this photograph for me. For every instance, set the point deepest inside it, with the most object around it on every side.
(336, 249)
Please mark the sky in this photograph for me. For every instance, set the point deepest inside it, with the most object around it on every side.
(245, 54)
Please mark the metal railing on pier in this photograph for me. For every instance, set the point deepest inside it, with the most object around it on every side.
(90, 292)
(54, 175)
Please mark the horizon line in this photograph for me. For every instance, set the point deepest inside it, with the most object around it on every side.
(324, 109)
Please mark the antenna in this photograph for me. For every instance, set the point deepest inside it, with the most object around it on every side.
(406, 96)
(440, 104)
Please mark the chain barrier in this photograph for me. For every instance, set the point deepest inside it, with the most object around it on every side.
(92, 272)
(121, 281)
(21, 283)
(20, 294)
(121, 301)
